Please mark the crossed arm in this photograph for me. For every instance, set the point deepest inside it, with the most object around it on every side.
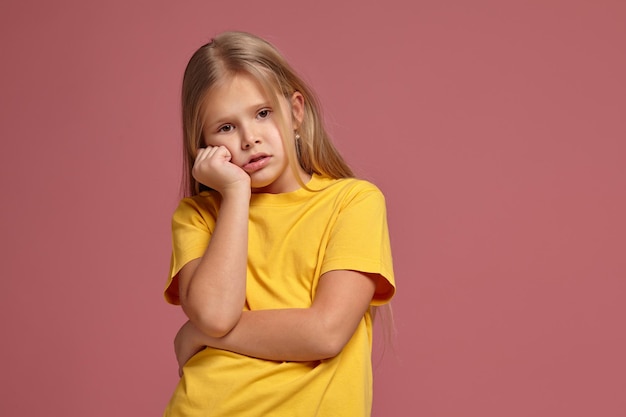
(212, 294)
(303, 334)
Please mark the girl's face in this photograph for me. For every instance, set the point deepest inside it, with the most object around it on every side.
(239, 116)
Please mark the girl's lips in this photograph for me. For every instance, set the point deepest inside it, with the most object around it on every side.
(256, 163)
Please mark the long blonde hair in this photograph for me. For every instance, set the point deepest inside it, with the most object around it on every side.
(232, 53)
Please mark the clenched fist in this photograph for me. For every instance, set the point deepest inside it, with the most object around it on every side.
(213, 168)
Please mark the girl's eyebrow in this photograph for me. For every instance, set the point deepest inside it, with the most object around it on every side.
(251, 109)
(261, 105)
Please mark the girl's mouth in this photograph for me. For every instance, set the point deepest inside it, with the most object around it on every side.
(256, 162)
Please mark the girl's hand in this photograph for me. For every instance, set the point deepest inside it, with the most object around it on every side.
(186, 344)
(213, 168)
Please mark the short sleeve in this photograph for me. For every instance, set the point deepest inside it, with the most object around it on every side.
(359, 239)
(193, 222)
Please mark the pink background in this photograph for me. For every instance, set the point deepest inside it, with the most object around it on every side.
(496, 129)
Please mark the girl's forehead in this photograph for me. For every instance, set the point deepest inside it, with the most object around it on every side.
(239, 96)
(239, 87)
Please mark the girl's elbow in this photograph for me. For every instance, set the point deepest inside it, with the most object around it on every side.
(331, 345)
(216, 325)
(218, 328)
(331, 334)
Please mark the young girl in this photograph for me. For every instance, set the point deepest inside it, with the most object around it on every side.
(278, 252)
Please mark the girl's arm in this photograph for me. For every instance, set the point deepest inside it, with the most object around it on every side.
(304, 334)
(212, 289)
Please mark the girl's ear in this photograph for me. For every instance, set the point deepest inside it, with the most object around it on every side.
(297, 108)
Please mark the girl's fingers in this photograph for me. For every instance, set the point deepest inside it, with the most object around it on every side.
(211, 150)
(201, 154)
(204, 153)
(215, 153)
(222, 151)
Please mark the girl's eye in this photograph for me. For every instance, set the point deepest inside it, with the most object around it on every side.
(225, 128)
(264, 113)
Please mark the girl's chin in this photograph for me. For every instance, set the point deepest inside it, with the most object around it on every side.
(274, 187)
(258, 185)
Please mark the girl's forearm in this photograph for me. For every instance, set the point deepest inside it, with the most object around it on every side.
(281, 335)
(297, 334)
(214, 293)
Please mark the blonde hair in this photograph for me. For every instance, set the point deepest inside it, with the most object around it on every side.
(232, 53)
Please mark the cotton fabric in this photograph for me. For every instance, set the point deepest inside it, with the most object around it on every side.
(294, 238)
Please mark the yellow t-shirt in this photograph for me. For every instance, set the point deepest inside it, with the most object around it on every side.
(293, 238)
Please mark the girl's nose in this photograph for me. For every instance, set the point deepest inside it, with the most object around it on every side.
(249, 139)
